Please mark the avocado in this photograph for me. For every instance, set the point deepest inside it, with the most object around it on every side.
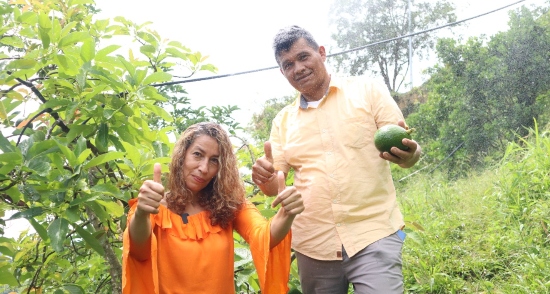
(390, 136)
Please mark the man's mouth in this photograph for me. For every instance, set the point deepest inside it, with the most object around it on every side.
(302, 77)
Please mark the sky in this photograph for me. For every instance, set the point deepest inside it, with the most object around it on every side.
(237, 36)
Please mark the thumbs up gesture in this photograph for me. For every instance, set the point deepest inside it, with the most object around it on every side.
(150, 195)
(289, 197)
(263, 171)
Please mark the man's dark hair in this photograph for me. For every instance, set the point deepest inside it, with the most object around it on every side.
(286, 37)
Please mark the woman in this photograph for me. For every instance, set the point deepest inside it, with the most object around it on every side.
(182, 241)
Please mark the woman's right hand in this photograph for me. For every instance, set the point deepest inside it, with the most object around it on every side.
(150, 195)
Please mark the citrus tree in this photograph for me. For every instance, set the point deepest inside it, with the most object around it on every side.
(83, 119)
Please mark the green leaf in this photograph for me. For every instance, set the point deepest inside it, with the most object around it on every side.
(124, 133)
(31, 212)
(45, 37)
(11, 157)
(81, 200)
(69, 155)
(6, 276)
(8, 251)
(44, 21)
(87, 51)
(40, 164)
(77, 130)
(77, 2)
(107, 50)
(161, 149)
(13, 41)
(42, 148)
(39, 229)
(147, 49)
(132, 153)
(161, 112)
(5, 144)
(112, 208)
(129, 67)
(99, 211)
(73, 289)
(104, 158)
(157, 77)
(22, 64)
(29, 192)
(90, 240)
(84, 155)
(80, 147)
(72, 213)
(102, 138)
(73, 38)
(108, 189)
(57, 231)
(14, 193)
(176, 53)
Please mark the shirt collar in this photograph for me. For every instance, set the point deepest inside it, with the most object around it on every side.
(303, 101)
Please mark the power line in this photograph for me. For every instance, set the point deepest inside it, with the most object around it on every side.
(342, 52)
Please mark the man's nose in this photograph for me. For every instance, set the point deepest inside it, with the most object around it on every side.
(299, 67)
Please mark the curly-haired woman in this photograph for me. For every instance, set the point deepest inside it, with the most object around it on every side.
(181, 241)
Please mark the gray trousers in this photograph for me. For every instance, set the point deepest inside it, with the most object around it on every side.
(375, 269)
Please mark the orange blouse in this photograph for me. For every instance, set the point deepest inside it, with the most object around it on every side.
(199, 258)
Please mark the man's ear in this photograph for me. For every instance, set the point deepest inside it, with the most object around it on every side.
(323, 52)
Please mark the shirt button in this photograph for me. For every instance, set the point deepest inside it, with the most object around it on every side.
(334, 201)
(324, 130)
(338, 224)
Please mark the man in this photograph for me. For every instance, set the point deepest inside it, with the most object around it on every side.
(350, 230)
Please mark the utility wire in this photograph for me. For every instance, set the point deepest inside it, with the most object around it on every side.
(342, 52)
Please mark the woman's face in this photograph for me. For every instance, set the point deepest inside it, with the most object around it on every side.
(201, 163)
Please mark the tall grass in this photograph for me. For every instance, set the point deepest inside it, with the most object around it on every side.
(487, 233)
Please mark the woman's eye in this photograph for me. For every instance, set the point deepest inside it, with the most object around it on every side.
(214, 161)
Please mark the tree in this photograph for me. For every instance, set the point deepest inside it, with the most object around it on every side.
(260, 125)
(70, 166)
(361, 22)
(485, 94)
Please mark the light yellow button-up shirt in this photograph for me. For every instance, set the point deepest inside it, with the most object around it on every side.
(347, 188)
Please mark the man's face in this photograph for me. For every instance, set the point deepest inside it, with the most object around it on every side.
(303, 66)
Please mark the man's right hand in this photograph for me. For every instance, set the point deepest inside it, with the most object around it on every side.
(263, 171)
(150, 195)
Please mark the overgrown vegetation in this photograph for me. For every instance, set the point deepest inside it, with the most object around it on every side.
(485, 233)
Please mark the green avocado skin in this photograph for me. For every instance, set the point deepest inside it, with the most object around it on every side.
(390, 136)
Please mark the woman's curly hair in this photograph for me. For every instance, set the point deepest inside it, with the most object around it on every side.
(225, 194)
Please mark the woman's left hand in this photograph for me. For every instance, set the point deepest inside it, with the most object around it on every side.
(289, 197)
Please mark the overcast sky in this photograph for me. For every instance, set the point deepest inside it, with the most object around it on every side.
(237, 35)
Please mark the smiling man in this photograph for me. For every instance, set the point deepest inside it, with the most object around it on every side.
(350, 230)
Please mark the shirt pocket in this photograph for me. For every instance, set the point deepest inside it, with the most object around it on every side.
(357, 132)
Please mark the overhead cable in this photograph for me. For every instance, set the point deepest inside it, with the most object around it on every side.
(342, 52)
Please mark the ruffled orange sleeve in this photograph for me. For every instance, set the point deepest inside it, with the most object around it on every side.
(131, 267)
(273, 266)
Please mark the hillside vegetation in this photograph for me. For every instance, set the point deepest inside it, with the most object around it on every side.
(485, 233)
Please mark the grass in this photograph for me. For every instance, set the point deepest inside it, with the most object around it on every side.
(487, 233)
